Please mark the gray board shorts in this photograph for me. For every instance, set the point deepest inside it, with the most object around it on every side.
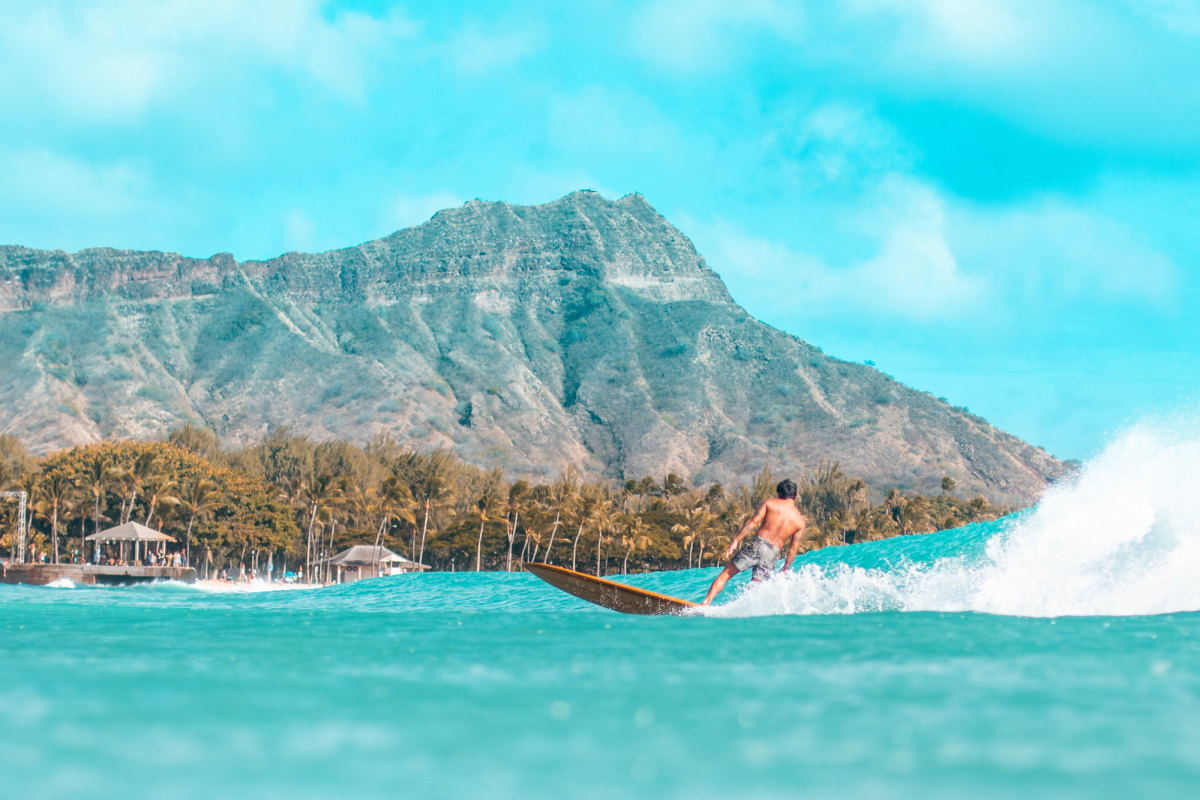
(757, 554)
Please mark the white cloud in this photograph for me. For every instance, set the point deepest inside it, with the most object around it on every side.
(474, 51)
(913, 275)
(1072, 71)
(43, 182)
(113, 61)
(979, 33)
(831, 143)
(1052, 252)
(696, 35)
(938, 260)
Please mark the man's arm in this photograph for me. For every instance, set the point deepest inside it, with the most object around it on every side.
(751, 524)
(795, 545)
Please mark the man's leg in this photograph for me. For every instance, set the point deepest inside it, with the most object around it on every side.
(719, 584)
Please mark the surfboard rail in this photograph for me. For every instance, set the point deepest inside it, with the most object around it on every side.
(610, 594)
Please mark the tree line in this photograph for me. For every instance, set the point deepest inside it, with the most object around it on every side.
(293, 502)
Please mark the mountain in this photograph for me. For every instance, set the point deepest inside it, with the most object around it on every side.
(584, 331)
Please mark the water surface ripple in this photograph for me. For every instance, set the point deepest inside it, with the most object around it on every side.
(500, 686)
(1056, 653)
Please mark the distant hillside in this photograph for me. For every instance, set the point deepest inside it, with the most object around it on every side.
(583, 331)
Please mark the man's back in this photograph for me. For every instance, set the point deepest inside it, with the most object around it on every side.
(781, 519)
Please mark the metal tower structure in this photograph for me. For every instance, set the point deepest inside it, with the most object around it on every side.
(22, 498)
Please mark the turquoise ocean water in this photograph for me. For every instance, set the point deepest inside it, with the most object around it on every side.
(1055, 654)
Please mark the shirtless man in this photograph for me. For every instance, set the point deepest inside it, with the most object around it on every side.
(777, 520)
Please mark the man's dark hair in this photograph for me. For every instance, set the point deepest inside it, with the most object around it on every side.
(786, 490)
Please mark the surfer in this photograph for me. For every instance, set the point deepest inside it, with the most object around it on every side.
(778, 521)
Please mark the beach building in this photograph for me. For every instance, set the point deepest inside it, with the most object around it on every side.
(130, 543)
(369, 561)
(129, 553)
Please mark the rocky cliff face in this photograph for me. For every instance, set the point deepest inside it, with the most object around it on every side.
(584, 331)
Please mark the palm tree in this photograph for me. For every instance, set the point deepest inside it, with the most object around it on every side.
(674, 487)
(318, 493)
(719, 545)
(348, 494)
(77, 506)
(512, 515)
(537, 544)
(344, 492)
(603, 517)
(197, 497)
(714, 547)
(689, 542)
(144, 466)
(562, 494)
(8, 475)
(699, 520)
(432, 487)
(124, 485)
(538, 496)
(94, 478)
(55, 489)
(394, 501)
(160, 490)
(589, 501)
(487, 500)
(636, 540)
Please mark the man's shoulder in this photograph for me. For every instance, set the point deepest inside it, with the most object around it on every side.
(788, 506)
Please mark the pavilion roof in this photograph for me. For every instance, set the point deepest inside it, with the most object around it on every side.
(130, 532)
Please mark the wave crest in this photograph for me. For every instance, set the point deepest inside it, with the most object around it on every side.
(1122, 538)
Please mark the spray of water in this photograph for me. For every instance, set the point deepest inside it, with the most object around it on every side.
(1122, 538)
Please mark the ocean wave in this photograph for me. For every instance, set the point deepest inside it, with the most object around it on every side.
(1122, 538)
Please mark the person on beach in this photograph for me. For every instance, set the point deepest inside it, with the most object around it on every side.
(778, 521)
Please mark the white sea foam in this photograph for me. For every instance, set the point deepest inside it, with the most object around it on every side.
(1122, 538)
(251, 587)
(61, 583)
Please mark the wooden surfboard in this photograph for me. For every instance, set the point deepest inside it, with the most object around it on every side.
(610, 594)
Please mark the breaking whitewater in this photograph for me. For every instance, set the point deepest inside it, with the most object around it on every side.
(1122, 538)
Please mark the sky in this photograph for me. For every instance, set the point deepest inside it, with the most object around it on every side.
(993, 201)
